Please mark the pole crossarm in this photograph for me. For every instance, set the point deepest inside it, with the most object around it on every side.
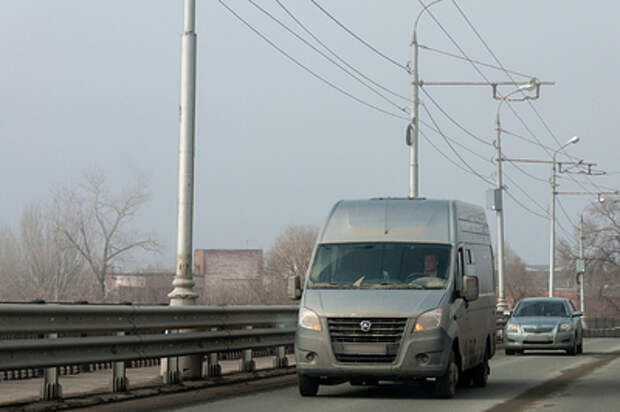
(465, 83)
(550, 162)
(616, 192)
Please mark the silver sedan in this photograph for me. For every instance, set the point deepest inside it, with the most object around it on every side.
(543, 323)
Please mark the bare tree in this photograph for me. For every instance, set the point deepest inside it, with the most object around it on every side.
(52, 265)
(292, 251)
(98, 224)
(602, 254)
(11, 269)
(517, 281)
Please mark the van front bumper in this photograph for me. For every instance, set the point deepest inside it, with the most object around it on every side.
(420, 355)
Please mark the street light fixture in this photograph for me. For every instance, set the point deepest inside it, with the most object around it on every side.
(572, 140)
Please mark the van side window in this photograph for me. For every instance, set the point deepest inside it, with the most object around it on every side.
(470, 257)
(460, 265)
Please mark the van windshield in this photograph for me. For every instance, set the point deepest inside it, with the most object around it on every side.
(387, 265)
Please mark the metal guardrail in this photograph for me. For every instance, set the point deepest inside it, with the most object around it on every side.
(53, 335)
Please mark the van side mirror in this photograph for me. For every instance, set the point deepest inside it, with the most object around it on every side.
(577, 314)
(293, 287)
(470, 288)
(507, 313)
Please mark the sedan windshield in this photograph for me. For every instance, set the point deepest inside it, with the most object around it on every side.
(381, 265)
(540, 308)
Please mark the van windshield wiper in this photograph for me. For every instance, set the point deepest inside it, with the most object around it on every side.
(329, 285)
(395, 285)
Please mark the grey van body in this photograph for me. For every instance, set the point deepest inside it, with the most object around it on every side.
(341, 350)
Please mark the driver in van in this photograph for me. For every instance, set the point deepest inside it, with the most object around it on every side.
(430, 265)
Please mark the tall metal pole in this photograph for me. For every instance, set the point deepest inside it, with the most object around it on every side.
(501, 300)
(552, 231)
(183, 294)
(413, 110)
(581, 275)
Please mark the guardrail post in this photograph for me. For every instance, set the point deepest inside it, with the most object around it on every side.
(170, 368)
(120, 383)
(246, 363)
(51, 388)
(281, 361)
(212, 367)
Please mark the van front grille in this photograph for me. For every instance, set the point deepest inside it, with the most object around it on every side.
(366, 340)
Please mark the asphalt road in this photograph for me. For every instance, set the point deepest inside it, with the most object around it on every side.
(549, 381)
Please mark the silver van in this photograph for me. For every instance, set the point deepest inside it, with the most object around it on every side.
(398, 290)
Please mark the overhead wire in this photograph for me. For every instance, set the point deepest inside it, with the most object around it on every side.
(478, 62)
(336, 55)
(328, 58)
(456, 153)
(358, 38)
(531, 105)
(456, 123)
(307, 69)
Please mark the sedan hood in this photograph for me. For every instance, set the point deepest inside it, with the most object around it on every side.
(371, 302)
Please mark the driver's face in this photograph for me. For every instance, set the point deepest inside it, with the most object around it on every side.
(430, 263)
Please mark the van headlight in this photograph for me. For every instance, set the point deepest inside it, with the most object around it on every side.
(309, 320)
(428, 320)
(512, 327)
(565, 327)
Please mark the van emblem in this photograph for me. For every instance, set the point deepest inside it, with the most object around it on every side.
(365, 325)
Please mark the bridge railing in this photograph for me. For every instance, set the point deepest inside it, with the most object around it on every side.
(52, 335)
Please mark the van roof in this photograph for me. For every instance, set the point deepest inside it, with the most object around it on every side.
(389, 219)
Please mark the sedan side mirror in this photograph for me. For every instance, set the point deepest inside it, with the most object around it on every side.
(293, 287)
(470, 288)
(577, 314)
(507, 313)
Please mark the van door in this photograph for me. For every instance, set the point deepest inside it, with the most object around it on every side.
(461, 312)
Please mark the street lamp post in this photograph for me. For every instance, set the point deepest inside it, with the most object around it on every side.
(499, 208)
(573, 140)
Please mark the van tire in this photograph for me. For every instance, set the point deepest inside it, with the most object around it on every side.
(445, 386)
(480, 374)
(308, 386)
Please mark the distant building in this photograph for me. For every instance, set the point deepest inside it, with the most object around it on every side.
(231, 276)
(150, 287)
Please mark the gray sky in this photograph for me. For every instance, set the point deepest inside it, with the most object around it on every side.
(96, 84)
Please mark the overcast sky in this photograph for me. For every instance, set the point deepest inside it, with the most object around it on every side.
(96, 83)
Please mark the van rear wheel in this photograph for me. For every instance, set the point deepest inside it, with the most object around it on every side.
(445, 386)
(308, 386)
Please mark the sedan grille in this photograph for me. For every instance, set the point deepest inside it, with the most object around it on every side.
(366, 340)
(537, 329)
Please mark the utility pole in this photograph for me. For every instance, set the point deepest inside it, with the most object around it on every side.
(583, 269)
(498, 193)
(183, 294)
(557, 166)
(413, 112)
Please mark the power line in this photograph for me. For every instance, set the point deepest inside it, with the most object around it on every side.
(358, 38)
(333, 53)
(310, 71)
(542, 120)
(519, 168)
(457, 124)
(456, 56)
(457, 154)
(285, 27)
(570, 221)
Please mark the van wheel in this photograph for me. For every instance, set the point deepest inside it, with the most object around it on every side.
(580, 346)
(480, 374)
(510, 352)
(573, 350)
(308, 386)
(445, 386)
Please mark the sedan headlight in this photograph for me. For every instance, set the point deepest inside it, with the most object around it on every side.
(512, 327)
(309, 320)
(428, 320)
(565, 327)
